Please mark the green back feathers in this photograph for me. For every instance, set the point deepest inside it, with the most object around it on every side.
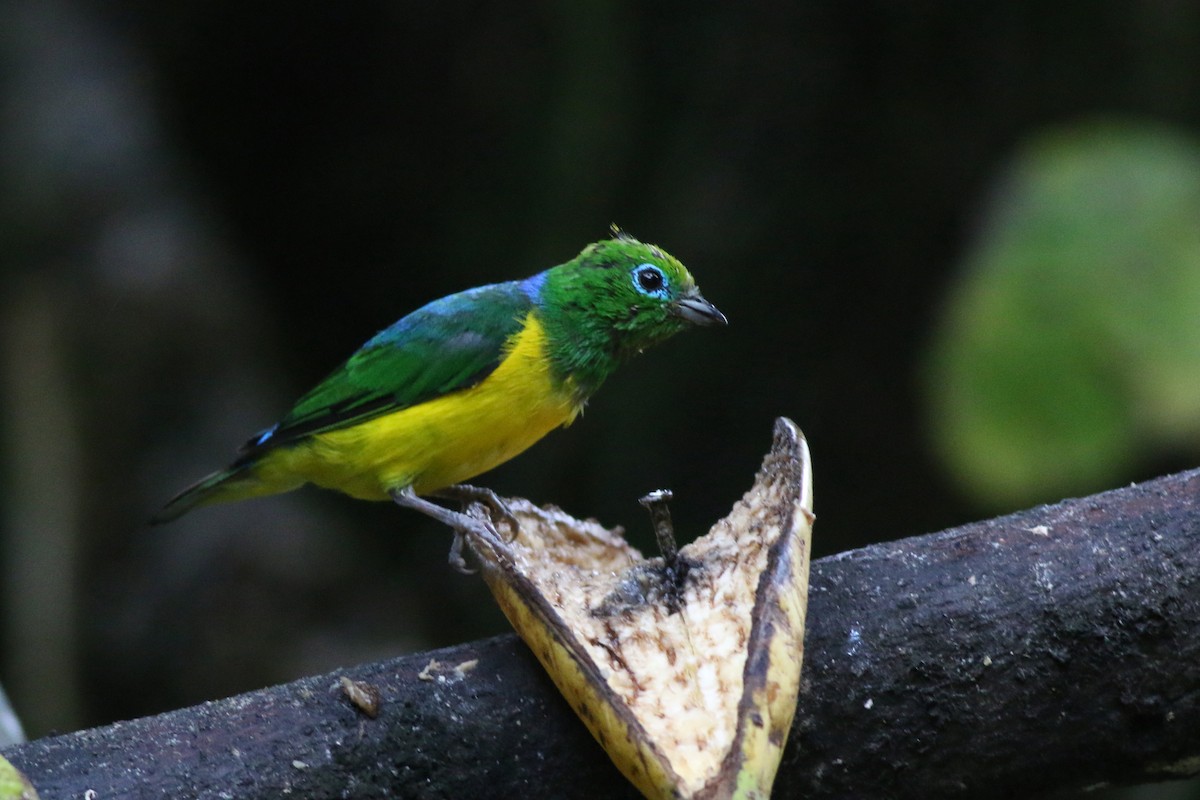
(448, 345)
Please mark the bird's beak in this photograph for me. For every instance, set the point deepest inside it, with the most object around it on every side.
(695, 309)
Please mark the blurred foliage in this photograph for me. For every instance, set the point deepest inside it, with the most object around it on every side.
(1069, 348)
(14, 785)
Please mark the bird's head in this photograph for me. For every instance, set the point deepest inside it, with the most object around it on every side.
(625, 296)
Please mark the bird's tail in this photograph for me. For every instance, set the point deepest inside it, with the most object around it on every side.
(235, 483)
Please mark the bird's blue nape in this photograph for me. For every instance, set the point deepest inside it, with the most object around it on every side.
(532, 286)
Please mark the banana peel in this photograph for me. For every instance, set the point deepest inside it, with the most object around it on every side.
(686, 669)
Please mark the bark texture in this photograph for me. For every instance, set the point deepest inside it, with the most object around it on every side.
(1054, 648)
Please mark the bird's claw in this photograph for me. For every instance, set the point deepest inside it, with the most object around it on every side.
(457, 562)
(514, 527)
(465, 493)
(471, 521)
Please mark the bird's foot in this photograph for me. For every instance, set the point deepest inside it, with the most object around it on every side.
(466, 494)
(461, 523)
(457, 562)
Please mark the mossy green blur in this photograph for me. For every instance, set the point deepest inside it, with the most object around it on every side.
(1070, 347)
(14, 785)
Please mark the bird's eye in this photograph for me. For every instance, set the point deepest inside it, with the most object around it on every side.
(649, 279)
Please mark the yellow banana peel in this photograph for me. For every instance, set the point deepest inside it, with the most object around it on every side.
(685, 670)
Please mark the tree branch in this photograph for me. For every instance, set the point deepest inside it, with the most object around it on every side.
(1055, 648)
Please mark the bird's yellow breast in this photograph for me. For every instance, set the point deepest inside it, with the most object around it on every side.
(442, 441)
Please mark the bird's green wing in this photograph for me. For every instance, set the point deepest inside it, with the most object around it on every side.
(451, 344)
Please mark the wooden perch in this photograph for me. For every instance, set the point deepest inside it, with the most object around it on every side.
(1051, 649)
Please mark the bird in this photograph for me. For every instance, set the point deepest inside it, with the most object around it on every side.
(465, 383)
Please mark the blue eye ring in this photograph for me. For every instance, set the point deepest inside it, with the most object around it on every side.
(650, 280)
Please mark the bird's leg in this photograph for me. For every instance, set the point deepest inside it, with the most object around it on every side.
(465, 493)
(456, 520)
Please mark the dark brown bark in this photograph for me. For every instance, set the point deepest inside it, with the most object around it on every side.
(1055, 648)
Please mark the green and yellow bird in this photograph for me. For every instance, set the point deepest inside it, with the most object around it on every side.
(465, 383)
